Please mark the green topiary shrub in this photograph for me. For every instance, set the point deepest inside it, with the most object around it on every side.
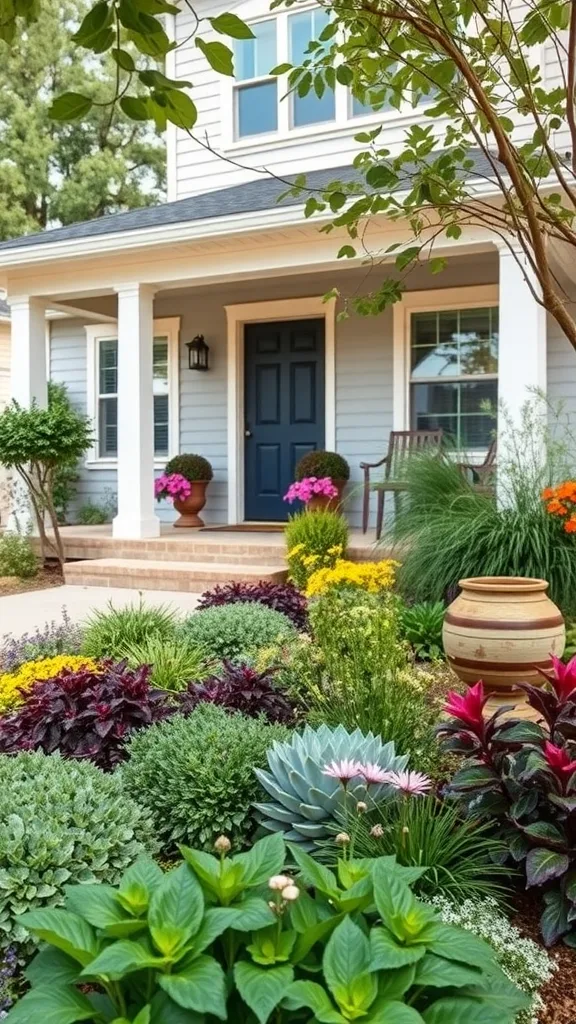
(107, 633)
(191, 467)
(17, 557)
(60, 822)
(236, 631)
(195, 775)
(323, 464)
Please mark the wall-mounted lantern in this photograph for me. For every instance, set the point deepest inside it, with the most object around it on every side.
(198, 352)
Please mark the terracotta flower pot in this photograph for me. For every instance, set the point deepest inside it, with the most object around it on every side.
(502, 629)
(192, 505)
(320, 502)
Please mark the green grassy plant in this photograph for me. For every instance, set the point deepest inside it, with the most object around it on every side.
(421, 625)
(314, 540)
(107, 633)
(174, 664)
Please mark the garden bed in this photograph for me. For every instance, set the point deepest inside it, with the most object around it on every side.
(558, 994)
(49, 576)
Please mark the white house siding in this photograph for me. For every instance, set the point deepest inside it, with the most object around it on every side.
(562, 382)
(364, 397)
(4, 397)
(195, 162)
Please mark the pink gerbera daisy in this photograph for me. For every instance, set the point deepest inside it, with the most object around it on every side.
(411, 783)
(342, 770)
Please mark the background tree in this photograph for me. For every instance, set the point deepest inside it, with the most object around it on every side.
(58, 172)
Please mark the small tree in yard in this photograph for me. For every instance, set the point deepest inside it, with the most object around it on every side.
(36, 443)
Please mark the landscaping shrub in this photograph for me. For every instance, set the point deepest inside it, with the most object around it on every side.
(459, 854)
(66, 476)
(106, 633)
(17, 557)
(232, 938)
(421, 625)
(373, 577)
(191, 467)
(523, 961)
(173, 664)
(195, 775)
(314, 540)
(448, 530)
(60, 822)
(521, 777)
(15, 685)
(63, 637)
(322, 464)
(365, 680)
(282, 597)
(240, 687)
(307, 796)
(85, 714)
(235, 631)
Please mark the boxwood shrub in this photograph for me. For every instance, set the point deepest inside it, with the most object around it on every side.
(195, 775)
(236, 631)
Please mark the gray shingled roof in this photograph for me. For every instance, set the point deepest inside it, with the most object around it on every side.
(251, 197)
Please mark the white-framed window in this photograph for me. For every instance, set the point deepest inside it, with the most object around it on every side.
(454, 373)
(103, 397)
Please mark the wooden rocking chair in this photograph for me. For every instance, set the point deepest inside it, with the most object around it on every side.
(401, 444)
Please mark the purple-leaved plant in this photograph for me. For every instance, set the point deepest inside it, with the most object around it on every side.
(240, 688)
(281, 597)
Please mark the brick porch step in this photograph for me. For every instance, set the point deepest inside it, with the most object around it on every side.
(149, 574)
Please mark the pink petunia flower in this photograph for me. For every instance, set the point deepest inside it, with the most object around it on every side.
(411, 783)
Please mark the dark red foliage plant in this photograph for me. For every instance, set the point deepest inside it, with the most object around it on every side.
(240, 687)
(282, 597)
(85, 714)
(521, 775)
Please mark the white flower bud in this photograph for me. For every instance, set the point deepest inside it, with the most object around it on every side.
(222, 845)
(279, 882)
(342, 839)
(291, 892)
(361, 807)
(377, 831)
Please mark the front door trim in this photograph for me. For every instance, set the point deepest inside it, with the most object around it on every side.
(255, 312)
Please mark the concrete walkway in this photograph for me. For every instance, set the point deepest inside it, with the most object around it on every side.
(23, 613)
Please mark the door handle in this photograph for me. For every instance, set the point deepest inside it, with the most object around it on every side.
(247, 433)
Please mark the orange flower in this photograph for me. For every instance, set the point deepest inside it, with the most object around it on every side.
(556, 508)
(547, 493)
(570, 525)
(566, 490)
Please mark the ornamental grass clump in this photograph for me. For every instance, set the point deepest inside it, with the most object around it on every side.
(421, 625)
(194, 776)
(373, 577)
(14, 686)
(172, 664)
(235, 632)
(521, 776)
(61, 822)
(314, 540)
(86, 713)
(281, 597)
(107, 632)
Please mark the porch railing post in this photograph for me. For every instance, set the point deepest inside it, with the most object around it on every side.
(136, 516)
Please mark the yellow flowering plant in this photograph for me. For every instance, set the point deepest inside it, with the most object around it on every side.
(13, 683)
(314, 540)
(372, 577)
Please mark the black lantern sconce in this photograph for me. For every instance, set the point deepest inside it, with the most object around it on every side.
(198, 352)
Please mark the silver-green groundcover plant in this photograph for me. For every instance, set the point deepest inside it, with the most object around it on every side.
(235, 938)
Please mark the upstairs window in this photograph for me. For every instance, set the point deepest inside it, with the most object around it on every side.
(303, 28)
(256, 92)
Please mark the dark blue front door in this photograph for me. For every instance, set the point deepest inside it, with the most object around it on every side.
(284, 403)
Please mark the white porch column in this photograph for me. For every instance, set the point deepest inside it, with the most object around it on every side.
(522, 344)
(28, 371)
(28, 383)
(136, 518)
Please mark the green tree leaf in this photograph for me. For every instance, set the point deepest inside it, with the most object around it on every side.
(124, 60)
(219, 56)
(70, 106)
(201, 987)
(231, 25)
(262, 988)
(135, 107)
(346, 252)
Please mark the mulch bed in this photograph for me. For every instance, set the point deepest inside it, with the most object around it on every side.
(559, 994)
(49, 576)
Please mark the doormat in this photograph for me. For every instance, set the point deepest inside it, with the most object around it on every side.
(246, 528)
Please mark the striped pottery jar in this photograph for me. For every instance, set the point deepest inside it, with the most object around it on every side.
(502, 629)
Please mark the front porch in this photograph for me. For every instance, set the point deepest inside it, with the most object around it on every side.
(183, 560)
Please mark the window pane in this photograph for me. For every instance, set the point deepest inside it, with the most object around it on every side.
(434, 398)
(256, 57)
(476, 432)
(435, 361)
(161, 428)
(476, 396)
(160, 367)
(257, 109)
(108, 428)
(374, 102)
(310, 109)
(108, 371)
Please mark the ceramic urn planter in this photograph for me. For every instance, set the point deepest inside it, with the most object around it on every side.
(320, 502)
(502, 629)
(192, 505)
